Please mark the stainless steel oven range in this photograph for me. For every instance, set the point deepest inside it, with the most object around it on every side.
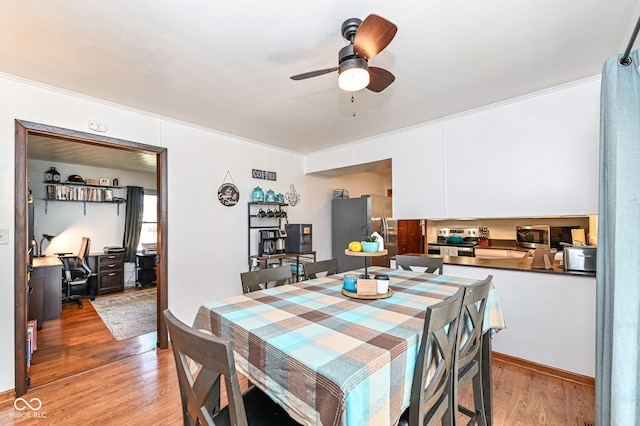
(454, 242)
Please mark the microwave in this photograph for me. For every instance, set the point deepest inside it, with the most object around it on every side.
(534, 236)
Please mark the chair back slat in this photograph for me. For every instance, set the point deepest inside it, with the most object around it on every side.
(312, 269)
(432, 265)
(262, 278)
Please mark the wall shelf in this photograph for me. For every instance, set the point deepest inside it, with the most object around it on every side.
(81, 193)
(84, 202)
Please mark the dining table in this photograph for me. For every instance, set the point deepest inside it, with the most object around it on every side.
(331, 359)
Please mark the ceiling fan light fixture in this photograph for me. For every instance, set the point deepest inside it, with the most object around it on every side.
(353, 75)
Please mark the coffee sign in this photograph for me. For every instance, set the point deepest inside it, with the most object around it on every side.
(263, 174)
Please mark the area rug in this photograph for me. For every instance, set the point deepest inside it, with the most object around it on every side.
(128, 314)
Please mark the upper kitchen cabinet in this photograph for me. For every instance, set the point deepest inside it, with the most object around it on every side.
(534, 157)
(418, 173)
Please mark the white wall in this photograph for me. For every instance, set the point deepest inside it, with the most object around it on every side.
(207, 241)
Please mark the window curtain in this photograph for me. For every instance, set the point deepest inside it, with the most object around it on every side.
(618, 264)
(132, 222)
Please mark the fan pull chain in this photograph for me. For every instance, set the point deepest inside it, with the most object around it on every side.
(353, 99)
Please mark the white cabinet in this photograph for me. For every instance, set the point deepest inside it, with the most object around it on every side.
(418, 173)
(534, 157)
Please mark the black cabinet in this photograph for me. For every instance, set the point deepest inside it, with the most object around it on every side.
(145, 269)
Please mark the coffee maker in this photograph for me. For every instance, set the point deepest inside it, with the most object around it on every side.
(280, 242)
(267, 242)
(271, 241)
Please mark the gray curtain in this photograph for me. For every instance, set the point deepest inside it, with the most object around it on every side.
(132, 222)
(618, 268)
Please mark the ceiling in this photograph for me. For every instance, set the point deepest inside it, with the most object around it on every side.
(66, 151)
(226, 65)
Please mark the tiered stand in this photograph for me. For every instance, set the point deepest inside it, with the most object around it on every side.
(366, 255)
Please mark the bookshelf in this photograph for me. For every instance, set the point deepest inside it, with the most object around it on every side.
(81, 193)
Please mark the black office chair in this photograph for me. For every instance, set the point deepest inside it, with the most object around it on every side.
(76, 273)
(200, 387)
(433, 391)
(312, 269)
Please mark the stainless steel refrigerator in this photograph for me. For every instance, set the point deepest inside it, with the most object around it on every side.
(350, 215)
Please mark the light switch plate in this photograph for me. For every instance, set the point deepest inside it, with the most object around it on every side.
(4, 236)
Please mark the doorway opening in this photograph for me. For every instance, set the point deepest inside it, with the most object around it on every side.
(24, 130)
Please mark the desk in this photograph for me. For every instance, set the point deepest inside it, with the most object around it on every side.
(329, 359)
(45, 298)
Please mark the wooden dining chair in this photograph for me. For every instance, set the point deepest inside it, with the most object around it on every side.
(469, 346)
(200, 386)
(312, 269)
(262, 278)
(432, 264)
(434, 385)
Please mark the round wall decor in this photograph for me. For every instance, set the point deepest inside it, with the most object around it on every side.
(228, 193)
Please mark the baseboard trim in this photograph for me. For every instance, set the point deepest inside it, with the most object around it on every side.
(545, 369)
(7, 395)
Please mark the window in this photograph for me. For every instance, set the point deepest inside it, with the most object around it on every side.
(148, 233)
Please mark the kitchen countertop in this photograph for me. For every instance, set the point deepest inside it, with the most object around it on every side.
(522, 264)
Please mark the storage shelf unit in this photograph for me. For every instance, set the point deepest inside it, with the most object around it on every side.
(256, 222)
(145, 269)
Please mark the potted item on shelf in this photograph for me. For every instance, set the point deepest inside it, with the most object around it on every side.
(369, 244)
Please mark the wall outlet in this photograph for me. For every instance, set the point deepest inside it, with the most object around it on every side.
(4, 236)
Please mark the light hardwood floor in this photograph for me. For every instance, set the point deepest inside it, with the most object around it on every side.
(79, 341)
(143, 389)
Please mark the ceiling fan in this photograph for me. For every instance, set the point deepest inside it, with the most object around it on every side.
(366, 39)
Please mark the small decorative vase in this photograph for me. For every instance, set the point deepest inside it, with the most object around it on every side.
(369, 246)
(270, 197)
(257, 194)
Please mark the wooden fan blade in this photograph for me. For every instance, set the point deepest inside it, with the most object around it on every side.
(380, 79)
(374, 34)
(313, 73)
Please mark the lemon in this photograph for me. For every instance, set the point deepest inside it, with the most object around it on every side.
(355, 246)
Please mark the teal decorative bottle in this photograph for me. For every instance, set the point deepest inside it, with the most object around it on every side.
(257, 194)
